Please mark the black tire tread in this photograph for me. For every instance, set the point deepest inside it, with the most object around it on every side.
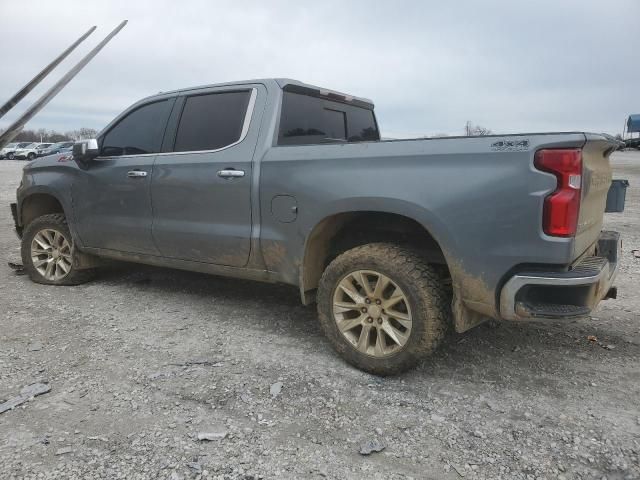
(428, 289)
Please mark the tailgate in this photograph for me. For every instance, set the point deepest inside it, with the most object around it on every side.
(596, 179)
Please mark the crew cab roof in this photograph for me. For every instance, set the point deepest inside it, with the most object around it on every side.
(286, 84)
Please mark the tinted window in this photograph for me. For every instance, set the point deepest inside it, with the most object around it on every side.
(211, 121)
(300, 121)
(335, 124)
(139, 132)
(308, 120)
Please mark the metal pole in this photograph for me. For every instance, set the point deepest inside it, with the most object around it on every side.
(39, 77)
(15, 127)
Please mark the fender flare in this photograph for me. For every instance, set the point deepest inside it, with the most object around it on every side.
(432, 225)
(67, 209)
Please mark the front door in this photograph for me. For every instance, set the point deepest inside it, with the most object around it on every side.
(201, 189)
(112, 197)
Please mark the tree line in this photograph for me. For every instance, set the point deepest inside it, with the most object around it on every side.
(53, 136)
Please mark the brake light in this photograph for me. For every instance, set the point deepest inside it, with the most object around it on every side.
(561, 208)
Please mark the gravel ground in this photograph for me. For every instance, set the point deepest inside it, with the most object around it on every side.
(143, 362)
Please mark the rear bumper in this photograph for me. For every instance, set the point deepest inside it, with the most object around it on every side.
(568, 294)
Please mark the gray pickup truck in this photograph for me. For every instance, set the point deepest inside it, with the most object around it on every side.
(275, 180)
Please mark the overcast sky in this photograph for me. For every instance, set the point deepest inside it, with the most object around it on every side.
(429, 66)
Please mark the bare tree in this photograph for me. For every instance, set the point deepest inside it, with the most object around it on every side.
(87, 133)
(56, 137)
(468, 128)
(73, 134)
(53, 136)
(82, 133)
(471, 130)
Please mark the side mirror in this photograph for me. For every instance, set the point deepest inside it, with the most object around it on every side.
(85, 151)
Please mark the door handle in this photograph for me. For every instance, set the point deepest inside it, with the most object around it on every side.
(230, 173)
(136, 173)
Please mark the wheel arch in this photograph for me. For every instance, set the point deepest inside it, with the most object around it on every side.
(340, 231)
(41, 200)
(37, 203)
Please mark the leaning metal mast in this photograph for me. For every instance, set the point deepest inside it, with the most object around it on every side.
(16, 126)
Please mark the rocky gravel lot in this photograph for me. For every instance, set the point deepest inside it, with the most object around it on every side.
(164, 374)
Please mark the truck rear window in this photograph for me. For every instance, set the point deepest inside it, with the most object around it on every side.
(309, 120)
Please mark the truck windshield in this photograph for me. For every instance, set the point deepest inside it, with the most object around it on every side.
(307, 120)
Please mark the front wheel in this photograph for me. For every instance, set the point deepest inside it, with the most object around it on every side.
(47, 252)
(10, 156)
(31, 156)
(383, 307)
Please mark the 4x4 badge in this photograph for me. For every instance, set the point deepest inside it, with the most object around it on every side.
(510, 145)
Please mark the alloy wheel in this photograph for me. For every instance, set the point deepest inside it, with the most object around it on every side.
(372, 313)
(51, 254)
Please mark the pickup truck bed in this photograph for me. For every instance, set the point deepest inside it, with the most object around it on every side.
(482, 206)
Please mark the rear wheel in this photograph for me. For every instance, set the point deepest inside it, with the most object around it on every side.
(383, 307)
(47, 252)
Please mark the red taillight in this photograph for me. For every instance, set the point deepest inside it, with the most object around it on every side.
(561, 208)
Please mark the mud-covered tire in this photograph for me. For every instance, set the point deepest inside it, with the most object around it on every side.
(428, 298)
(52, 222)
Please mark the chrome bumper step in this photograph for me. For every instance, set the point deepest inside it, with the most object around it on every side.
(550, 310)
(564, 294)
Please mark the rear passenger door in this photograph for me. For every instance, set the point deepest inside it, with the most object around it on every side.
(201, 188)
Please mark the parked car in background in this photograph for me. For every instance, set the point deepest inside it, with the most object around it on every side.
(55, 148)
(23, 151)
(632, 143)
(41, 147)
(64, 155)
(9, 151)
(9, 148)
(31, 151)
